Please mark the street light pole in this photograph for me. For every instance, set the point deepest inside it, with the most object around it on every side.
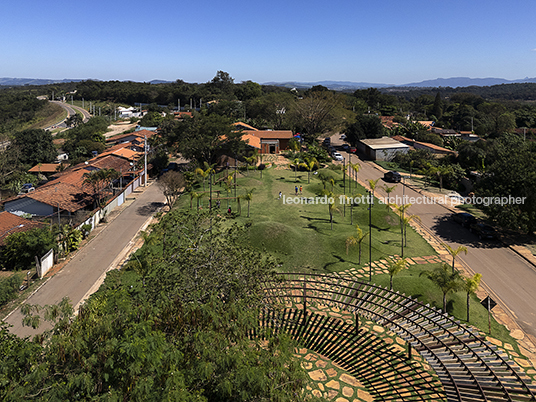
(371, 203)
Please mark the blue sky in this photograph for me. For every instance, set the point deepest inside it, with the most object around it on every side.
(375, 41)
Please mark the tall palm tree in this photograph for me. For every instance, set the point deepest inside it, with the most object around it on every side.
(454, 252)
(388, 190)
(406, 220)
(394, 267)
(470, 286)
(356, 241)
(444, 279)
(355, 167)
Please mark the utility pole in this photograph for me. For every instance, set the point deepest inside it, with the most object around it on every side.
(145, 166)
(371, 203)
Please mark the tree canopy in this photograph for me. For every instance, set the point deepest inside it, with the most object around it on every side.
(174, 324)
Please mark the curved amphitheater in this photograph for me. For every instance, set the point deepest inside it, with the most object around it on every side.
(325, 313)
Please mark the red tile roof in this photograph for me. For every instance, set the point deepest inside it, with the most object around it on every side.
(11, 223)
(46, 168)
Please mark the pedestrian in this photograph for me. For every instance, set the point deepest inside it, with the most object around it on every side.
(280, 195)
(229, 210)
(296, 189)
(300, 190)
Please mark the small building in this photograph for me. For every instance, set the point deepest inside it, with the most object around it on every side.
(381, 149)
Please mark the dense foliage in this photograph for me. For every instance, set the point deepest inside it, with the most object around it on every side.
(175, 324)
(21, 248)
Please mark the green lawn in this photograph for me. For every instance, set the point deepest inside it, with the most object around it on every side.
(301, 238)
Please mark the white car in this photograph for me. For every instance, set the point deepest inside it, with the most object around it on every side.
(337, 156)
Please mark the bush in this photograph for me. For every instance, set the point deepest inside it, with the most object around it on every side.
(9, 288)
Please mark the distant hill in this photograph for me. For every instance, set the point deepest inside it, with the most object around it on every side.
(32, 81)
(333, 85)
(439, 82)
(453, 82)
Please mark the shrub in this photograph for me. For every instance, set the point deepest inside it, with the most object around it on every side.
(9, 288)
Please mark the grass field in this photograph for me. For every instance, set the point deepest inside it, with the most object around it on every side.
(300, 236)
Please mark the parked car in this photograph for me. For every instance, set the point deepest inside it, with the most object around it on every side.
(337, 156)
(346, 147)
(483, 230)
(392, 176)
(27, 188)
(352, 150)
(455, 197)
(343, 137)
(327, 141)
(464, 218)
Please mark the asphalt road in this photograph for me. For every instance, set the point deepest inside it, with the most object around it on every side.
(71, 110)
(509, 278)
(81, 273)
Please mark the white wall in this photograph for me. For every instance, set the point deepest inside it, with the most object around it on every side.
(46, 262)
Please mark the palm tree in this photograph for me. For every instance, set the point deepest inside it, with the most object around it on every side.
(372, 185)
(446, 281)
(470, 286)
(331, 206)
(356, 241)
(98, 180)
(406, 220)
(309, 165)
(454, 252)
(388, 190)
(205, 172)
(251, 160)
(193, 195)
(442, 171)
(394, 267)
(355, 167)
(296, 163)
(249, 197)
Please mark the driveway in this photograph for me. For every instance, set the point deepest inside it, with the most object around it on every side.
(509, 278)
(85, 271)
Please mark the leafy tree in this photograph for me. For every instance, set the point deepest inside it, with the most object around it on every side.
(175, 324)
(444, 279)
(21, 248)
(35, 146)
(366, 126)
(204, 138)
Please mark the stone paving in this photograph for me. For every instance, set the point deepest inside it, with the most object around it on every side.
(332, 382)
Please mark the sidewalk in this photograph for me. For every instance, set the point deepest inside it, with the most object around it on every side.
(527, 343)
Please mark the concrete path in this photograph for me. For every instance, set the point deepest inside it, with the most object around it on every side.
(87, 268)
